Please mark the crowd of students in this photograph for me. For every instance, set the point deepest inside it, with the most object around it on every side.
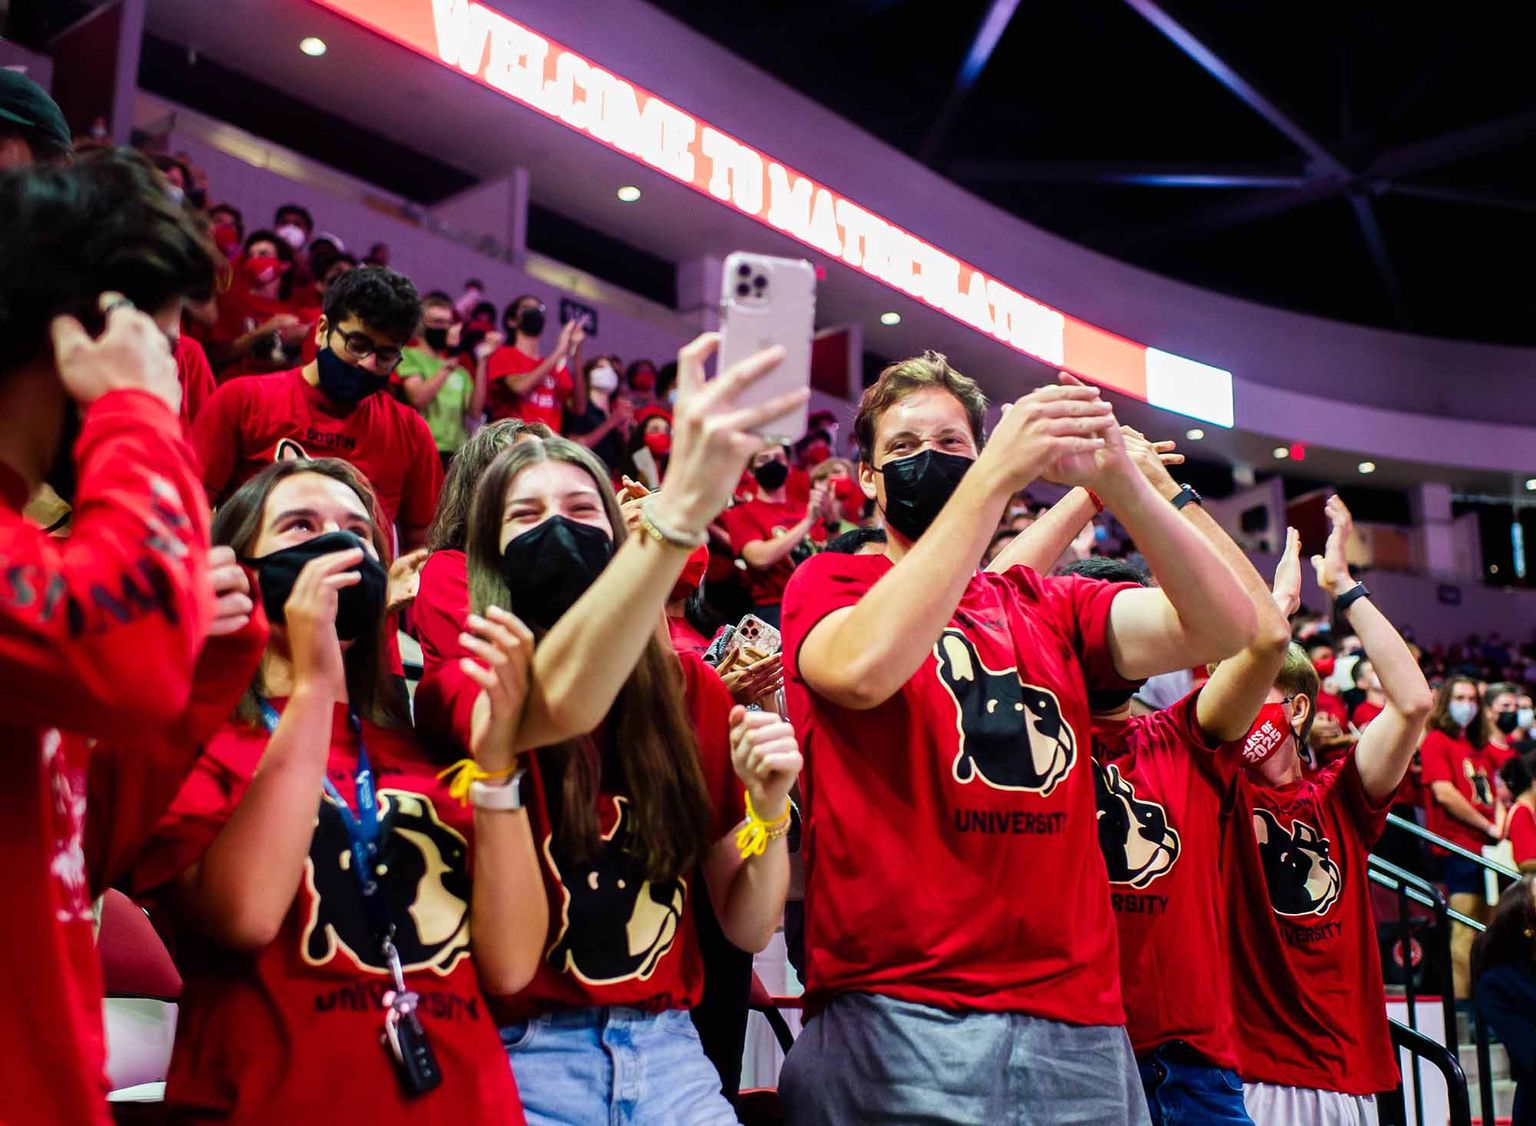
(514, 894)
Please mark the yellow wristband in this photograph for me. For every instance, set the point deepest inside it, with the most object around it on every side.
(755, 833)
(465, 773)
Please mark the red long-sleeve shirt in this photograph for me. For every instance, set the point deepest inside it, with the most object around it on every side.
(99, 633)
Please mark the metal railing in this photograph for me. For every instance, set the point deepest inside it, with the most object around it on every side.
(1410, 887)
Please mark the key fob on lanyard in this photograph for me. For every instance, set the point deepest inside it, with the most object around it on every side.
(406, 1041)
(403, 1037)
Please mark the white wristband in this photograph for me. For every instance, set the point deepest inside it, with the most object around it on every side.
(505, 798)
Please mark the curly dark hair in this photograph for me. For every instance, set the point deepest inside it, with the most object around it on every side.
(1105, 569)
(73, 231)
(382, 299)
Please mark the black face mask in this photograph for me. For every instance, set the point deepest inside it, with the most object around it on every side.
(771, 474)
(549, 567)
(918, 487)
(61, 477)
(435, 338)
(1506, 722)
(344, 382)
(358, 608)
(530, 322)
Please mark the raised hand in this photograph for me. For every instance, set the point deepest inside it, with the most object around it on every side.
(132, 353)
(502, 648)
(1099, 467)
(712, 436)
(1287, 586)
(309, 616)
(405, 578)
(766, 757)
(1044, 427)
(1331, 566)
(231, 593)
(1153, 459)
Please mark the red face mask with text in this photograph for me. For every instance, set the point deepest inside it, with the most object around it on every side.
(659, 443)
(261, 271)
(1267, 735)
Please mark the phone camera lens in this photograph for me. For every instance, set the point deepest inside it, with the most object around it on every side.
(744, 270)
(759, 281)
(743, 290)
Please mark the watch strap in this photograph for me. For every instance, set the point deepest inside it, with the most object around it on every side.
(1351, 596)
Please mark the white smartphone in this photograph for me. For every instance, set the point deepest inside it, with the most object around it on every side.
(765, 302)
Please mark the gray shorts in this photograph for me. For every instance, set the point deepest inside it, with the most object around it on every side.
(867, 1058)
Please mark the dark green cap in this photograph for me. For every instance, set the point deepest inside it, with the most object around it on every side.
(27, 106)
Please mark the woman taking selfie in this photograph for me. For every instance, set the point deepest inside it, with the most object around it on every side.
(639, 762)
(313, 869)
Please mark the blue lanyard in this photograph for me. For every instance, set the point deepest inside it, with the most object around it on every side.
(364, 831)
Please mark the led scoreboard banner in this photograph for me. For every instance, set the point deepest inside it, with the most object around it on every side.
(528, 68)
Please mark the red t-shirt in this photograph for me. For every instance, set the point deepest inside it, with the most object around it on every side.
(1328, 702)
(250, 423)
(1306, 986)
(951, 833)
(752, 520)
(1520, 832)
(445, 697)
(99, 632)
(291, 1031)
(1498, 756)
(617, 938)
(1364, 713)
(1164, 796)
(686, 639)
(197, 382)
(1471, 771)
(543, 402)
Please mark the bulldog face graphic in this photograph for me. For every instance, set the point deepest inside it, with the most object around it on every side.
(1477, 778)
(1012, 735)
(1134, 835)
(289, 450)
(426, 887)
(616, 924)
(1301, 876)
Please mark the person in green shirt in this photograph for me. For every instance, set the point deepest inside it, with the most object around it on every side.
(435, 381)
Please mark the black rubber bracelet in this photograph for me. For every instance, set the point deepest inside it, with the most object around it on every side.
(1351, 596)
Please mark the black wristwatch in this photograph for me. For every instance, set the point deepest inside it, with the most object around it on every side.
(1351, 596)
(1187, 495)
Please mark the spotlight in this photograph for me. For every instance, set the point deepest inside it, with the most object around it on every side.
(891, 318)
(313, 46)
(1282, 452)
(1195, 435)
(1367, 467)
(628, 193)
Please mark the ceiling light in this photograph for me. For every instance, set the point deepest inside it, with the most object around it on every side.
(628, 193)
(1366, 467)
(891, 318)
(1194, 435)
(1530, 484)
(1282, 452)
(313, 46)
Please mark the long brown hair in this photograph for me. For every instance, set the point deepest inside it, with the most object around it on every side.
(657, 753)
(450, 523)
(1510, 939)
(1440, 716)
(370, 685)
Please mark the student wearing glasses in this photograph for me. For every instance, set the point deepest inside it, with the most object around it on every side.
(333, 406)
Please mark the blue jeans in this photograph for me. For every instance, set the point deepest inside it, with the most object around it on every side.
(1186, 1094)
(614, 1067)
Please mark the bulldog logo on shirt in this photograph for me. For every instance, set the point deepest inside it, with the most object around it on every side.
(1477, 778)
(1301, 876)
(1012, 734)
(615, 925)
(425, 881)
(1138, 843)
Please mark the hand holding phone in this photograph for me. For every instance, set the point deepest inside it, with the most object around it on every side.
(767, 302)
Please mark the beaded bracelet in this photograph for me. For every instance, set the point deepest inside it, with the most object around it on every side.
(661, 533)
(755, 833)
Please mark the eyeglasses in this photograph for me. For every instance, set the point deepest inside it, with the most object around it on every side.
(360, 346)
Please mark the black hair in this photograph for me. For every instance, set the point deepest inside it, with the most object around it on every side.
(239, 216)
(436, 297)
(483, 311)
(1509, 939)
(284, 254)
(297, 209)
(666, 378)
(1516, 774)
(850, 542)
(379, 297)
(1105, 569)
(73, 231)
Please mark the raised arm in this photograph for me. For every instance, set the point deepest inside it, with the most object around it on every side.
(860, 656)
(1042, 543)
(763, 554)
(481, 387)
(1200, 612)
(585, 659)
(1387, 744)
(103, 628)
(241, 890)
